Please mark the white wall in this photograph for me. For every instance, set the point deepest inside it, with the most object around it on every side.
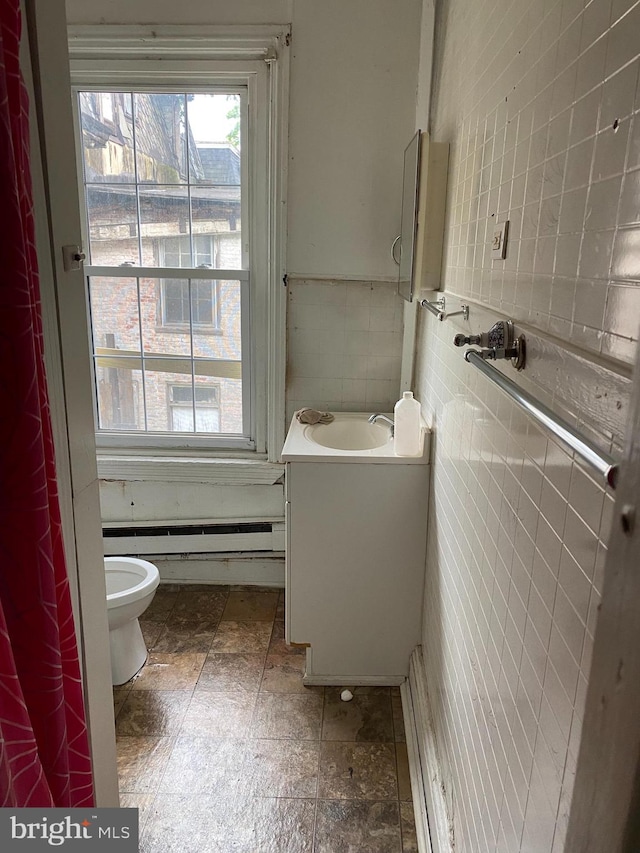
(527, 93)
(353, 89)
(343, 345)
(167, 12)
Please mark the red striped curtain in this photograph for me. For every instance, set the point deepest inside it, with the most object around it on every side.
(44, 751)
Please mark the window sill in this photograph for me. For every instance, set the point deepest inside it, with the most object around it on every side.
(214, 470)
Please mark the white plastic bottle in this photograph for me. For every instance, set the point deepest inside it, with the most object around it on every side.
(408, 426)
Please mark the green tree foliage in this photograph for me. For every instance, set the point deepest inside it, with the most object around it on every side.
(233, 137)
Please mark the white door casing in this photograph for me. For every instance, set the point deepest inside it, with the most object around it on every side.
(68, 371)
(606, 798)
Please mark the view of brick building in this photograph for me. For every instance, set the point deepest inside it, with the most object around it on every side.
(163, 190)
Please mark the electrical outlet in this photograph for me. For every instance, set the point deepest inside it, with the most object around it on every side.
(499, 240)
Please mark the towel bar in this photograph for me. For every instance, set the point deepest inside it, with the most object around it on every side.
(600, 461)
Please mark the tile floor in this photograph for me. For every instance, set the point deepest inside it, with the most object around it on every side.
(224, 750)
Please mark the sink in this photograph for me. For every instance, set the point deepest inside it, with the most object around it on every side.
(349, 434)
(349, 438)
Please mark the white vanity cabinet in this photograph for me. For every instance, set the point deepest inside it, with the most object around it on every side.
(355, 562)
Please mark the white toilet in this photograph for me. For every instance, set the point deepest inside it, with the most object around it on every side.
(131, 585)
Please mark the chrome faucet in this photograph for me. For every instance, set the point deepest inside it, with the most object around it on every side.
(380, 416)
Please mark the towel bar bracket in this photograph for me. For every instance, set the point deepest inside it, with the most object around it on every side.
(439, 309)
(498, 343)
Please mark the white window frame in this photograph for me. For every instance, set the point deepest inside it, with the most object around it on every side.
(192, 58)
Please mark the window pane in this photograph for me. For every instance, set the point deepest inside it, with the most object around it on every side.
(207, 420)
(114, 314)
(119, 394)
(161, 141)
(107, 137)
(165, 316)
(204, 310)
(113, 225)
(207, 412)
(214, 126)
(216, 214)
(164, 212)
(228, 343)
(228, 378)
(160, 376)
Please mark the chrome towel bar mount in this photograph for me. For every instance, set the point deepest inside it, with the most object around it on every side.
(439, 309)
(499, 342)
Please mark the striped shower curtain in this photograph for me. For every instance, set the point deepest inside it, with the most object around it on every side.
(44, 752)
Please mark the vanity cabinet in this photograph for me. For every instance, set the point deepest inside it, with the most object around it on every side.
(355, 562)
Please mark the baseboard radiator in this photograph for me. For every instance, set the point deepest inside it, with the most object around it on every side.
(433, 828)
(194, 538)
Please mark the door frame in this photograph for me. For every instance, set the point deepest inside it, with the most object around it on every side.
(45, 63)
(605, 808)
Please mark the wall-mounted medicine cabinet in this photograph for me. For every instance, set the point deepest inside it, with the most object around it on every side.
(424, 192)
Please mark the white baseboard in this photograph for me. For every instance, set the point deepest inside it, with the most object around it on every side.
(223, 569)
(415, 771)
(353, 680)
(424, 768)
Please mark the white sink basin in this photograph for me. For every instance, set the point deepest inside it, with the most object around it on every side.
(349, 434)
(349, 438)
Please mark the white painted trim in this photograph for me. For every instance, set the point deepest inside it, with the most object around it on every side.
(408, 345)
(277, 295)
(169, 443)
(352, 680)
(313, 276)
(186, 41)
(228, 569)
(193, 469)
(435, 806)
(311, 679)
(168, 272)
(605, 812)
(415, 770)
(46, 26)
(190, 543)
(186, 522)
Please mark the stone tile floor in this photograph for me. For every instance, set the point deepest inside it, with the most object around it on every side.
(224, 750)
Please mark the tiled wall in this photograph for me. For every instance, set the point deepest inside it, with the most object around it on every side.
(344, 345)
(514, 573)
(527, 93)
(540, 101)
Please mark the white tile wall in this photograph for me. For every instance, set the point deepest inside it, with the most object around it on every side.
(344, 345)
(516, 550)
(539, 100)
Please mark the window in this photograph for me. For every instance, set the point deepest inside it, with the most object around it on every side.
(175, 304)
(181, 139)
(178, 310)
(163, 187)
